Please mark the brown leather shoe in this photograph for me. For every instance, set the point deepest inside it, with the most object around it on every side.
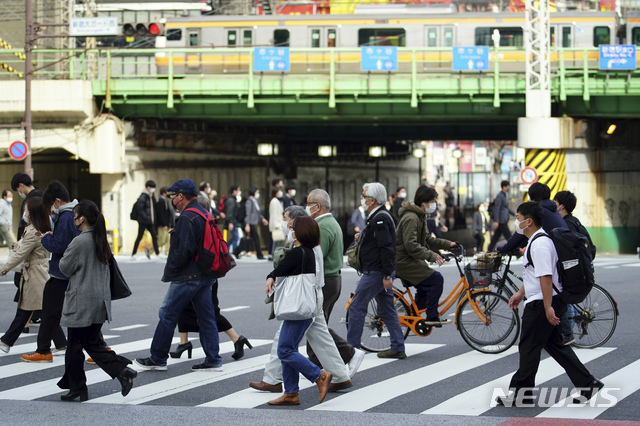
(323, 382)
(334, 387)
(266, 387)
(286, 399)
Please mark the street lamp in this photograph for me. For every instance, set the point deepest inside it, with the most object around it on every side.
(267, 149)
(419, 154)
(457, 154)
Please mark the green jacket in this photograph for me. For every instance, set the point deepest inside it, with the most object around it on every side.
(414, 247)
(332, 244)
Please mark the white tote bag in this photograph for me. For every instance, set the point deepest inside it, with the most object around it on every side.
(295, 296)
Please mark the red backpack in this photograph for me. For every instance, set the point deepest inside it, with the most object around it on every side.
(213, 258)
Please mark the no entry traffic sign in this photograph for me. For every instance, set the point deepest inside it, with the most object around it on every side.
(529, 175)
(18, 150)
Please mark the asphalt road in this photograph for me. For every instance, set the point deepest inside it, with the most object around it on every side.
(443, 380)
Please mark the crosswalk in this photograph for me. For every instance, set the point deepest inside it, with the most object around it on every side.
(371, 391)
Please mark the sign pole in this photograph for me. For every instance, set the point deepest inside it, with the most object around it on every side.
(28, 74)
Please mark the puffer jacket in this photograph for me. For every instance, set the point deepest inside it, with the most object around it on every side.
(414, 245)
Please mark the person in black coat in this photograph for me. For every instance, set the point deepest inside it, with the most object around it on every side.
(165, 220)
(145, 216)
(500, 216)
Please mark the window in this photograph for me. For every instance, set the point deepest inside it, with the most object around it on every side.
(193, 39)
(281, 38)
(332, 36)
(247, 37)
(231, 38)
(382, 37)
(315, 38)
(448, 36)
(567, 34)
(601, 36)
(635, 36)
(174, 34)
(432, 36)
(552, 37)
(509, 37)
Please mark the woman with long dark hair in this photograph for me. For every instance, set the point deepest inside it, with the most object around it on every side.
(34, 272)
(87, 305)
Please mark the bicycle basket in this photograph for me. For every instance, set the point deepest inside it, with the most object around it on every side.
(495, 258)
(479, 272)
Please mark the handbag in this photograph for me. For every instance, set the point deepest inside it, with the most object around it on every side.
(295, 296)
(119, 287)
(11, 253)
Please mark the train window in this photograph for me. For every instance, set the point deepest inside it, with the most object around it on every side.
(567, 35)
(635, 36)
(231, 38)
(315, 37)
(448, 36)
(247, 37)
(552, 37)
(601, 36)
(193, 39)
(509, 36)
(432, 36)
(332, 36)
(382, 37)
(174, 34)
(281, 38)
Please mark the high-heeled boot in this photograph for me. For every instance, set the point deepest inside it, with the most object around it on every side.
(181, 348)
(72, 395)
(239, 345)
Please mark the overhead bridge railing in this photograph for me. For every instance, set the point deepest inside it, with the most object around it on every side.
(220, 75)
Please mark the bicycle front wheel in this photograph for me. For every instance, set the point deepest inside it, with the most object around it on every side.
(375, 335)
(487, 323)
(594, 320)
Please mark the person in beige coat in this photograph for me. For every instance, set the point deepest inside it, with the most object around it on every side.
(276, 215)
(34, 271)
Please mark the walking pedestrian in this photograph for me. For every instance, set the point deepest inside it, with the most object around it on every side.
(6, 219)
(253, 219)
(500, 215)
(146, 218)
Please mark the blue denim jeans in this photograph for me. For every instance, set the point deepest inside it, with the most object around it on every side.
(293, 362)
(566, 322)
(233, 239)
(178, 296)
(369, 287)
(428, 294)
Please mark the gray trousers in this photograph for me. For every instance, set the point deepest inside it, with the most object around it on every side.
(317, 335)
(7, 235)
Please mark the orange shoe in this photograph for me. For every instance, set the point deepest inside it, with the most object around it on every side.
(92, 362)
(36, 357)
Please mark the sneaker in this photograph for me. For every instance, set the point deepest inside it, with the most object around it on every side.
(206, 367)
(392, 354)
(134, 258)
(146, 252)
(4, 347)
(91, 361)
(59, 352)
(587, 392)
(437, 322)
(505, 401)
(36, 357)
(354, 362)
(35, 322)
(147, 364)
(568, 339)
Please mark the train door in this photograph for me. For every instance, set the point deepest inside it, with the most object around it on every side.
(443, 36)
(321, 37)
(237, 37)
(193, 60)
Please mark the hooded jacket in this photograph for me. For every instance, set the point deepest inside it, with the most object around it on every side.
(64, 231)
(414, 245)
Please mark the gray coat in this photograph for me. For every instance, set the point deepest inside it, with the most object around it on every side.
(501, 210)
(88, 298)
(254, 216)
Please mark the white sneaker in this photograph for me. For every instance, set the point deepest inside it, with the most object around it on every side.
(59, 352)
(134, 258)
(355, 362)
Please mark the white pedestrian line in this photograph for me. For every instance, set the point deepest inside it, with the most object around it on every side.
(129, 327)
(250, 398)
(627, 380)
(234, 308)
(632, 265)
(28, 348)
(368, 397)
(476, 401)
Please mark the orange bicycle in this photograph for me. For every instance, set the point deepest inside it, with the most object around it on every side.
(483, 317)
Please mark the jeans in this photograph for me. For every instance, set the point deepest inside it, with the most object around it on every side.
(369, 287)
(178, 296)
(428, 294)
(293, 362)
(233, 239)
(566, 321)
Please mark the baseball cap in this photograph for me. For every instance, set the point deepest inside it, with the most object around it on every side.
(185, 186)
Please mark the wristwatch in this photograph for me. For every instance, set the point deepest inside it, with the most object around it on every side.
(386, 277)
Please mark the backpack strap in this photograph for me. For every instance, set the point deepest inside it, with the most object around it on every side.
(206, 217)
(531, 260)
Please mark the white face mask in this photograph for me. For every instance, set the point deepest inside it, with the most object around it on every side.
(207, 191)
(292, 193)
(55, 210)
(285, 227)
(152, 190)
(25, 218)
(257, 196)
(23, 196)
(279, 194)
(9, 200)
(519, 230)
(431, 207)
(363, 202)
(402, 195)
(290, 237)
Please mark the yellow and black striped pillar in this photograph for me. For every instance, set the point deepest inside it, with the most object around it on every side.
(550, 165)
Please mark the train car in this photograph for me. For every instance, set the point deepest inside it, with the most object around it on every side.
(437, 30)
(633, 28)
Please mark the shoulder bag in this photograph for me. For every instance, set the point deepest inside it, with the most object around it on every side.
(119, 287)
(295, 296)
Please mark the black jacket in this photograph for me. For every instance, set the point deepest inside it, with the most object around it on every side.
(378, 249)
(230, 206)
(551, 220)
(186, 238)
(143, 206)
(164, 213)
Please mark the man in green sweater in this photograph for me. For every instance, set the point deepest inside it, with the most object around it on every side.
(332, 245)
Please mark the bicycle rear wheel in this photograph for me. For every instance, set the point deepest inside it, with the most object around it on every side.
(495, 329)
(375, 335)
(595, 319)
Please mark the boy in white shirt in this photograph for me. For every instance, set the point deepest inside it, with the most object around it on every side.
(542, 313)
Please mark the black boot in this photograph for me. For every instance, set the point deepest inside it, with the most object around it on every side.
(126, 377)
(72, 395)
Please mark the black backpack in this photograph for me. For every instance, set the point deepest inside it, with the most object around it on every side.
(575, 267)
(491, 208)
(134, 211)
(581, 229)
(241, 210)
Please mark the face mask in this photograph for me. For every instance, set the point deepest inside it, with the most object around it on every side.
(431, 208)
(257, 196)
(279, 194)
(481, 209)
(9, 200)
(23, 196)
(25, 218)
(207, 191)
(55, 210)
(292, 192)
(285, 227)
(402, 195)
(78, 225)
(308, 210)
(152, 190)
(363, 202)
(519, 230)
(290, 237)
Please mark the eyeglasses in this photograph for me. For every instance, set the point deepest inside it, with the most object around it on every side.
(364, 197)
(174, 195)
(311, 202)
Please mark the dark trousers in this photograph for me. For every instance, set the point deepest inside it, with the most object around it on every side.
(20, 321)
(255, 236)
(331, 294)
(537, 334)
(89, 339)
(52, 301)
(188, 321)
(479, 237)
(428, 293)
(154, 237)
(502, 229)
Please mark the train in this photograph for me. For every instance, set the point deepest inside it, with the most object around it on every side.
(577, 30)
